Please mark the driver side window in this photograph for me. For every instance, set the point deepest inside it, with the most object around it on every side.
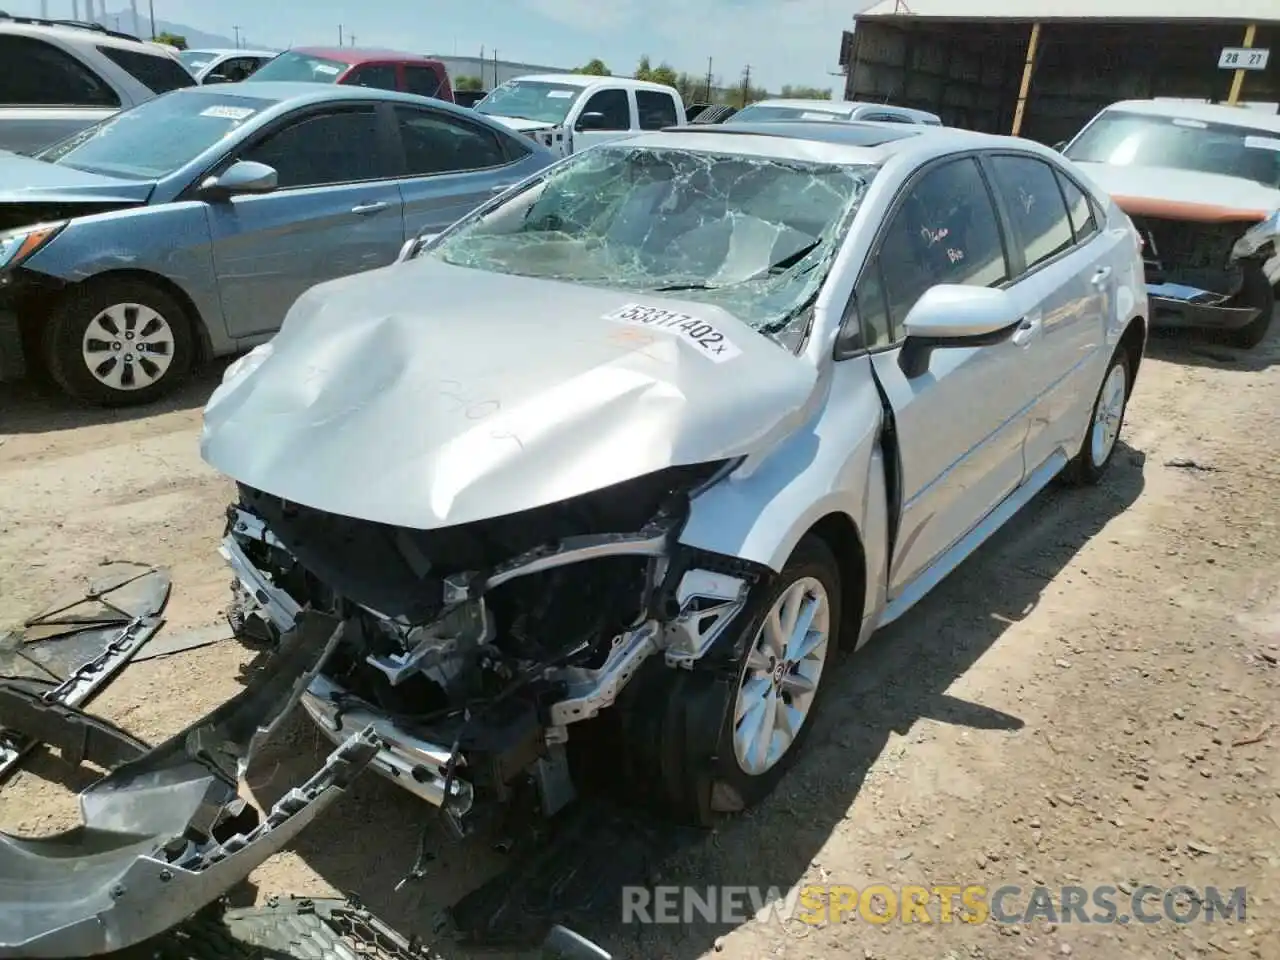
(615, 107)
(945, 230)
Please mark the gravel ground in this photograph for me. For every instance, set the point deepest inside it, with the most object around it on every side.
(1092, 699)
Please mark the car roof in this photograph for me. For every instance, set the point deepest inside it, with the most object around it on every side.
(855, 142)
(358, 55)
(587, 80)
(1208, 112)
(826, 106)
(232, 52)
(80, 36)
(301, 92)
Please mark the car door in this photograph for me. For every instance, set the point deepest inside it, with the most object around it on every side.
(336, 212)
(380, 76)
(614, 106)
(421, 80)
(959, 426)
(451, 166)
(1060, 291)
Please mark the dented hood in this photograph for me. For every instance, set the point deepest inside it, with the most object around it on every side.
(1183, 194)
(425, 395)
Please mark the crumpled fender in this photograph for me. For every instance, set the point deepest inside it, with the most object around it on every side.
(150, 852)
(1258, 240)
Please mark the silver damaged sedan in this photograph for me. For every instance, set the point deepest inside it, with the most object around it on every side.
(602, 477)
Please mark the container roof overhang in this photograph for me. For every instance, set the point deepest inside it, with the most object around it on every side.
(1031, 11)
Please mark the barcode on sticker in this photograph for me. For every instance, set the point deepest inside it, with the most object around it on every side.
(699, 334)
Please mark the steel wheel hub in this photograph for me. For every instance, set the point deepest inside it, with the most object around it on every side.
(1106, 419)
(128, 346)
(781, 676)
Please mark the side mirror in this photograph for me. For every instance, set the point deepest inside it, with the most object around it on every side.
(591, 121)
(414, 245)
(955, 315)
(243, 176)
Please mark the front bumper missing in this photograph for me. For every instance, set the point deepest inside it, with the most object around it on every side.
(156, 846)
(1175, 306)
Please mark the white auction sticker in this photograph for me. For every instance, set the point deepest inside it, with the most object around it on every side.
(699, 334)
(227, 113)
(328, 69)
(561, 94)
(1262, 143)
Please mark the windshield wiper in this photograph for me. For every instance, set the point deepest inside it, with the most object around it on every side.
(786, 263)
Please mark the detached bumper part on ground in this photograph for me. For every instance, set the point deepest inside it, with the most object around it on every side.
(165, 833)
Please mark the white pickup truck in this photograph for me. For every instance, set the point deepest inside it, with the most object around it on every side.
(568, 112)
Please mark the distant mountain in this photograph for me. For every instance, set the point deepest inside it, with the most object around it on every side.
(196, 38)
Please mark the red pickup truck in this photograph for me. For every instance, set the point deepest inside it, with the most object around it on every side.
(384, 69)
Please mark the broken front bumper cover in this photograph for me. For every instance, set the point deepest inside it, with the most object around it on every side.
(155, 846)
(1175, 305)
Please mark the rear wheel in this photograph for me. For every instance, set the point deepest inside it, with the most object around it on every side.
(720, 738)
(118, 343)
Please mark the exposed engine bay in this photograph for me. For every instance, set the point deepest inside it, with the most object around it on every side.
(472, 649)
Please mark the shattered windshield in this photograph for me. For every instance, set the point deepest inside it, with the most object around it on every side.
(754, 235)
(538, 100)
(1142, 140)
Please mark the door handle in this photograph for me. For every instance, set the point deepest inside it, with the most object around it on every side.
(374, 207)
(1100, 276)
(1026, 330)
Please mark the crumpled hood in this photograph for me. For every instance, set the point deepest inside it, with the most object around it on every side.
(1185, 194)
(425, 395)
(26, 180)
(519, 124)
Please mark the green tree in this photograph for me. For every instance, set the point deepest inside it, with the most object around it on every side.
(663, 74)
(692, 89)
(643, 70)
(468, 83)
(594, 68)
(805, 93)
(173, 40)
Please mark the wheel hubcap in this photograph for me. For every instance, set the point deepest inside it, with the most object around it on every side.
(128, 346)
(781, 676)
(1110, 412)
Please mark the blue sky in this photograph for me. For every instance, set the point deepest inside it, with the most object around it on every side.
(784, 41)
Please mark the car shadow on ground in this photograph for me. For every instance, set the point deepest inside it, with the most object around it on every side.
(367, 844)
(36, 406)
(1205, 348)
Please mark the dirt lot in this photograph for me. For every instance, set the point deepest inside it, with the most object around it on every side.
(1093, 699)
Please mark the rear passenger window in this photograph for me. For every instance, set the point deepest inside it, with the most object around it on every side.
(1030, 192)
(37, 73)
(156, 72)
(434, 143)
(657, 110)
(945, 231)
(615, 107)
(1082, 220)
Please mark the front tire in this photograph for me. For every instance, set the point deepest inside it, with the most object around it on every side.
(116, 343)
(1106, 419)
(1259, 293)
(719, 739)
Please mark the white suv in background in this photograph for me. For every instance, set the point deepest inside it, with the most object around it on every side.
(60, 77)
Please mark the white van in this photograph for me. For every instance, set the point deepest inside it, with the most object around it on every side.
(568, 112)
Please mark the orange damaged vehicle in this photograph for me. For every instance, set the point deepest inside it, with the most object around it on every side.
(1201, 183)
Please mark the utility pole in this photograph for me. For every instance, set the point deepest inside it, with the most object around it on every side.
(746, 84)
(708, 97)
(237, 32)
(495, 67)
(351, 39)
(339, 34)
(151, 6)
